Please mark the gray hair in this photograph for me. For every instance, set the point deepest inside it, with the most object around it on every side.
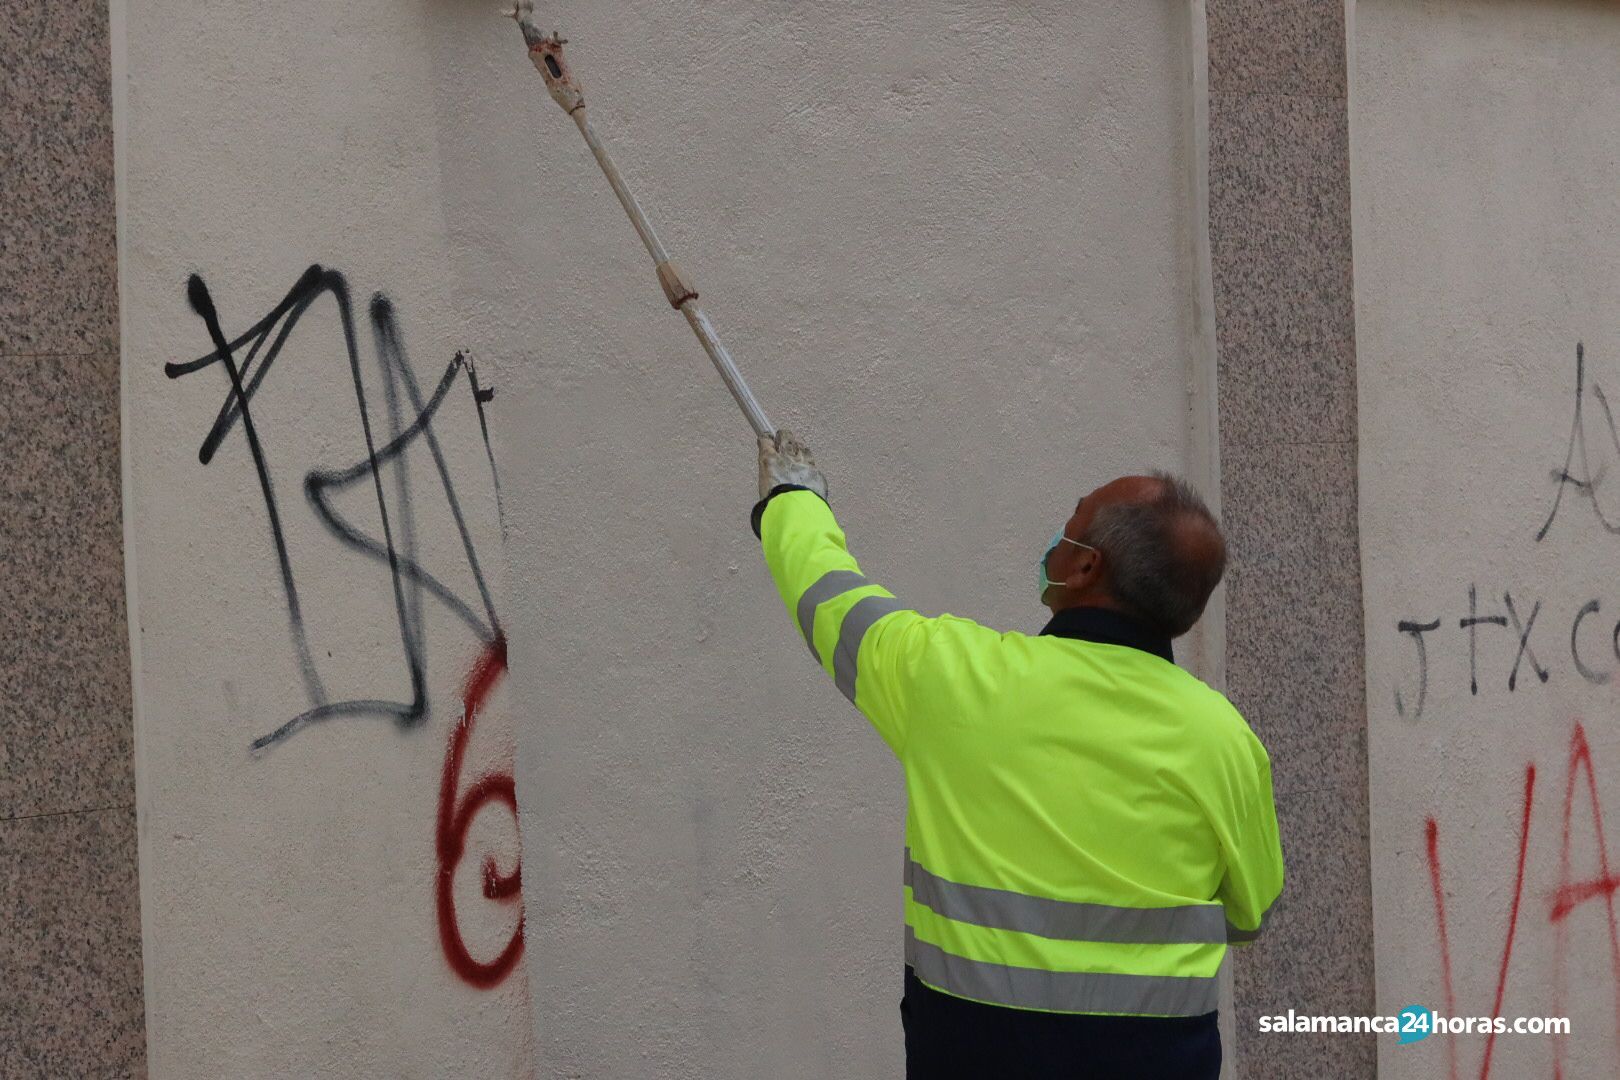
(1145, 546)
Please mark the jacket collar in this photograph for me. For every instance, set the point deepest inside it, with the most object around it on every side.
(1108, 627)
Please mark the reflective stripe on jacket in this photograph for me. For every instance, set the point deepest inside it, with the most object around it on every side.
(1089, 825)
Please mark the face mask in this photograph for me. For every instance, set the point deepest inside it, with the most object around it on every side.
(1040, 567)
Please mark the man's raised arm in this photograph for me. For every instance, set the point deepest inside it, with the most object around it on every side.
(870, 643)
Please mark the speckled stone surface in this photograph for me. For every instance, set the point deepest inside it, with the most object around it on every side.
(1277, 47)
(1280, 224)
(1280, 221)
(1294, 590)
(58, 286)
(1316, 954)
(70, 951)
(64, 665)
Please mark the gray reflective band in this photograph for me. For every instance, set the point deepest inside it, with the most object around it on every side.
(1236, 936)
(832, 583)
(1060, 991)
(857, 622)
(1066, 920)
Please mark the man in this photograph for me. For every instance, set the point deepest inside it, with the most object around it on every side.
(1088, 824)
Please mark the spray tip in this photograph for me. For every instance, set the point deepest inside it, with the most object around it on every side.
(521, 10)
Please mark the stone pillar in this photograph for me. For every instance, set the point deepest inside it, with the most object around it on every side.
(1280, 225)
(70, 951)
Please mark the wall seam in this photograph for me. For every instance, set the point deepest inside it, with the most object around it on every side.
(118, 44)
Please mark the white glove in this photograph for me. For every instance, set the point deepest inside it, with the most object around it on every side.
(786, 460)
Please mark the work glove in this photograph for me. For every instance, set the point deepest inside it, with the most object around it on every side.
(786, 460)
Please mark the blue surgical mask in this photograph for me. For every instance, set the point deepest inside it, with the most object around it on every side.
(1040, 567)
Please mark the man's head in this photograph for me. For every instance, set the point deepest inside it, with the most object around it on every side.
(1143, 545)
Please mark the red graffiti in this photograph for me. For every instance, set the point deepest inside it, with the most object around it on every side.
(1572, 894)
(1565, 899)
(1432, 835)
(1513, 912)
(456, 817)
(1432, 842)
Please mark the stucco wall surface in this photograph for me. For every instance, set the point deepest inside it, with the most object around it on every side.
(1487, 250)
(948, 244)
(329, 556)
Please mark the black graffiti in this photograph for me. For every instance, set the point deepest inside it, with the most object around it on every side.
(1591, 607)
(1470, 624)
(247, 360)
(1521, 627)
(1417, 630)
(1523, 630)
(1588, 481)
(1581, 475)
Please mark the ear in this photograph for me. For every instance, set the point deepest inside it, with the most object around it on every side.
(1087, 569)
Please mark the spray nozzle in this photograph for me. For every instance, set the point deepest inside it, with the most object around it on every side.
(545, 51)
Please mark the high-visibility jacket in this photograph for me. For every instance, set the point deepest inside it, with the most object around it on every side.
(1088, 824)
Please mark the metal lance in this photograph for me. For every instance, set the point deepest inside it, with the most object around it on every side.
(546, 51)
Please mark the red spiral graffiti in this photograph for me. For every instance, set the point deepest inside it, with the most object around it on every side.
(455, 818)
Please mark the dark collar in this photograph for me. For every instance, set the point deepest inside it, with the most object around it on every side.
(1108, 627)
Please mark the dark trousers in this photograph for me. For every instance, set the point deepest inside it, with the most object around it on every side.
(950, 1037)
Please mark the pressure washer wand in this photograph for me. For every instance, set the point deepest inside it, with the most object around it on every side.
(547, 54)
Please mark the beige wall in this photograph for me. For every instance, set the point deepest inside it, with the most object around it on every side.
(291, 904)
(1484, 146)
(948, 244)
